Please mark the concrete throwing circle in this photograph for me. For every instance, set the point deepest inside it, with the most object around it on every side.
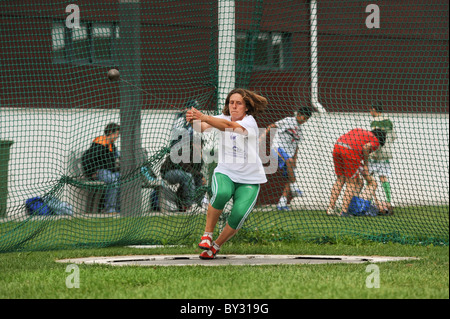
(225, 260)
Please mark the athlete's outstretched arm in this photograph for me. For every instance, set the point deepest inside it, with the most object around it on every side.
(208, 121)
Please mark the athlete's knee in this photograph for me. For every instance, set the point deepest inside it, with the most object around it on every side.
(234, 222)
(236, 219)
(221, 198)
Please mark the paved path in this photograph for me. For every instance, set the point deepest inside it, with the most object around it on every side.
(221, 260)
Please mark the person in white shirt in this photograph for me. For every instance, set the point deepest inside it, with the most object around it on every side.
(285, 144)
(239, 171)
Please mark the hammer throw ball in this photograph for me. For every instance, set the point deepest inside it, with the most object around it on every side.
(113, 75)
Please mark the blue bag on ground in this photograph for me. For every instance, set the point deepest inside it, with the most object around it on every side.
(37, 206)
(48, 206)
(358, 206)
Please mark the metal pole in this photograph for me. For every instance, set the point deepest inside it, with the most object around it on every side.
(314, 61)
(226, 48)
(322, 143)
(130, 106)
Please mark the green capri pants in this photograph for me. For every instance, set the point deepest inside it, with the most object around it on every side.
(244, 196)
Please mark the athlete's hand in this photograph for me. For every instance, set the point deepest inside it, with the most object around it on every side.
(193, 114)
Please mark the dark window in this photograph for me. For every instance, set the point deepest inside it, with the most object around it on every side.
(59, 41)
(262, 50)
(89, 43)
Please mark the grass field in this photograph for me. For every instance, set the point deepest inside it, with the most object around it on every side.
(28, 267)
(37, 275)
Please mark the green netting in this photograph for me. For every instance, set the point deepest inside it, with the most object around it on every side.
(336, 57)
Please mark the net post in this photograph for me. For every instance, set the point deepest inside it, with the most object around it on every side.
(226, 48)
(130, 106)
(314, 60)
(314, 64)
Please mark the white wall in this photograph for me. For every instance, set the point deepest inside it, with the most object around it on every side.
(43, 139)
(420, 168)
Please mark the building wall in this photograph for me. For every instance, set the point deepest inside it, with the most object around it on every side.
(404, 62)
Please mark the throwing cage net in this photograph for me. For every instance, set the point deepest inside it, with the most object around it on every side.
(340, 59)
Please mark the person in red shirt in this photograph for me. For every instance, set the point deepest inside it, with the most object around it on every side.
(350, 157)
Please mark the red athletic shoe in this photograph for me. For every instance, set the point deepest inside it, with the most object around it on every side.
(209, 254)
(205, 243)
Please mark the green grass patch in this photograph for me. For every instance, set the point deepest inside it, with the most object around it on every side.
(37, 275)
(30, 248)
